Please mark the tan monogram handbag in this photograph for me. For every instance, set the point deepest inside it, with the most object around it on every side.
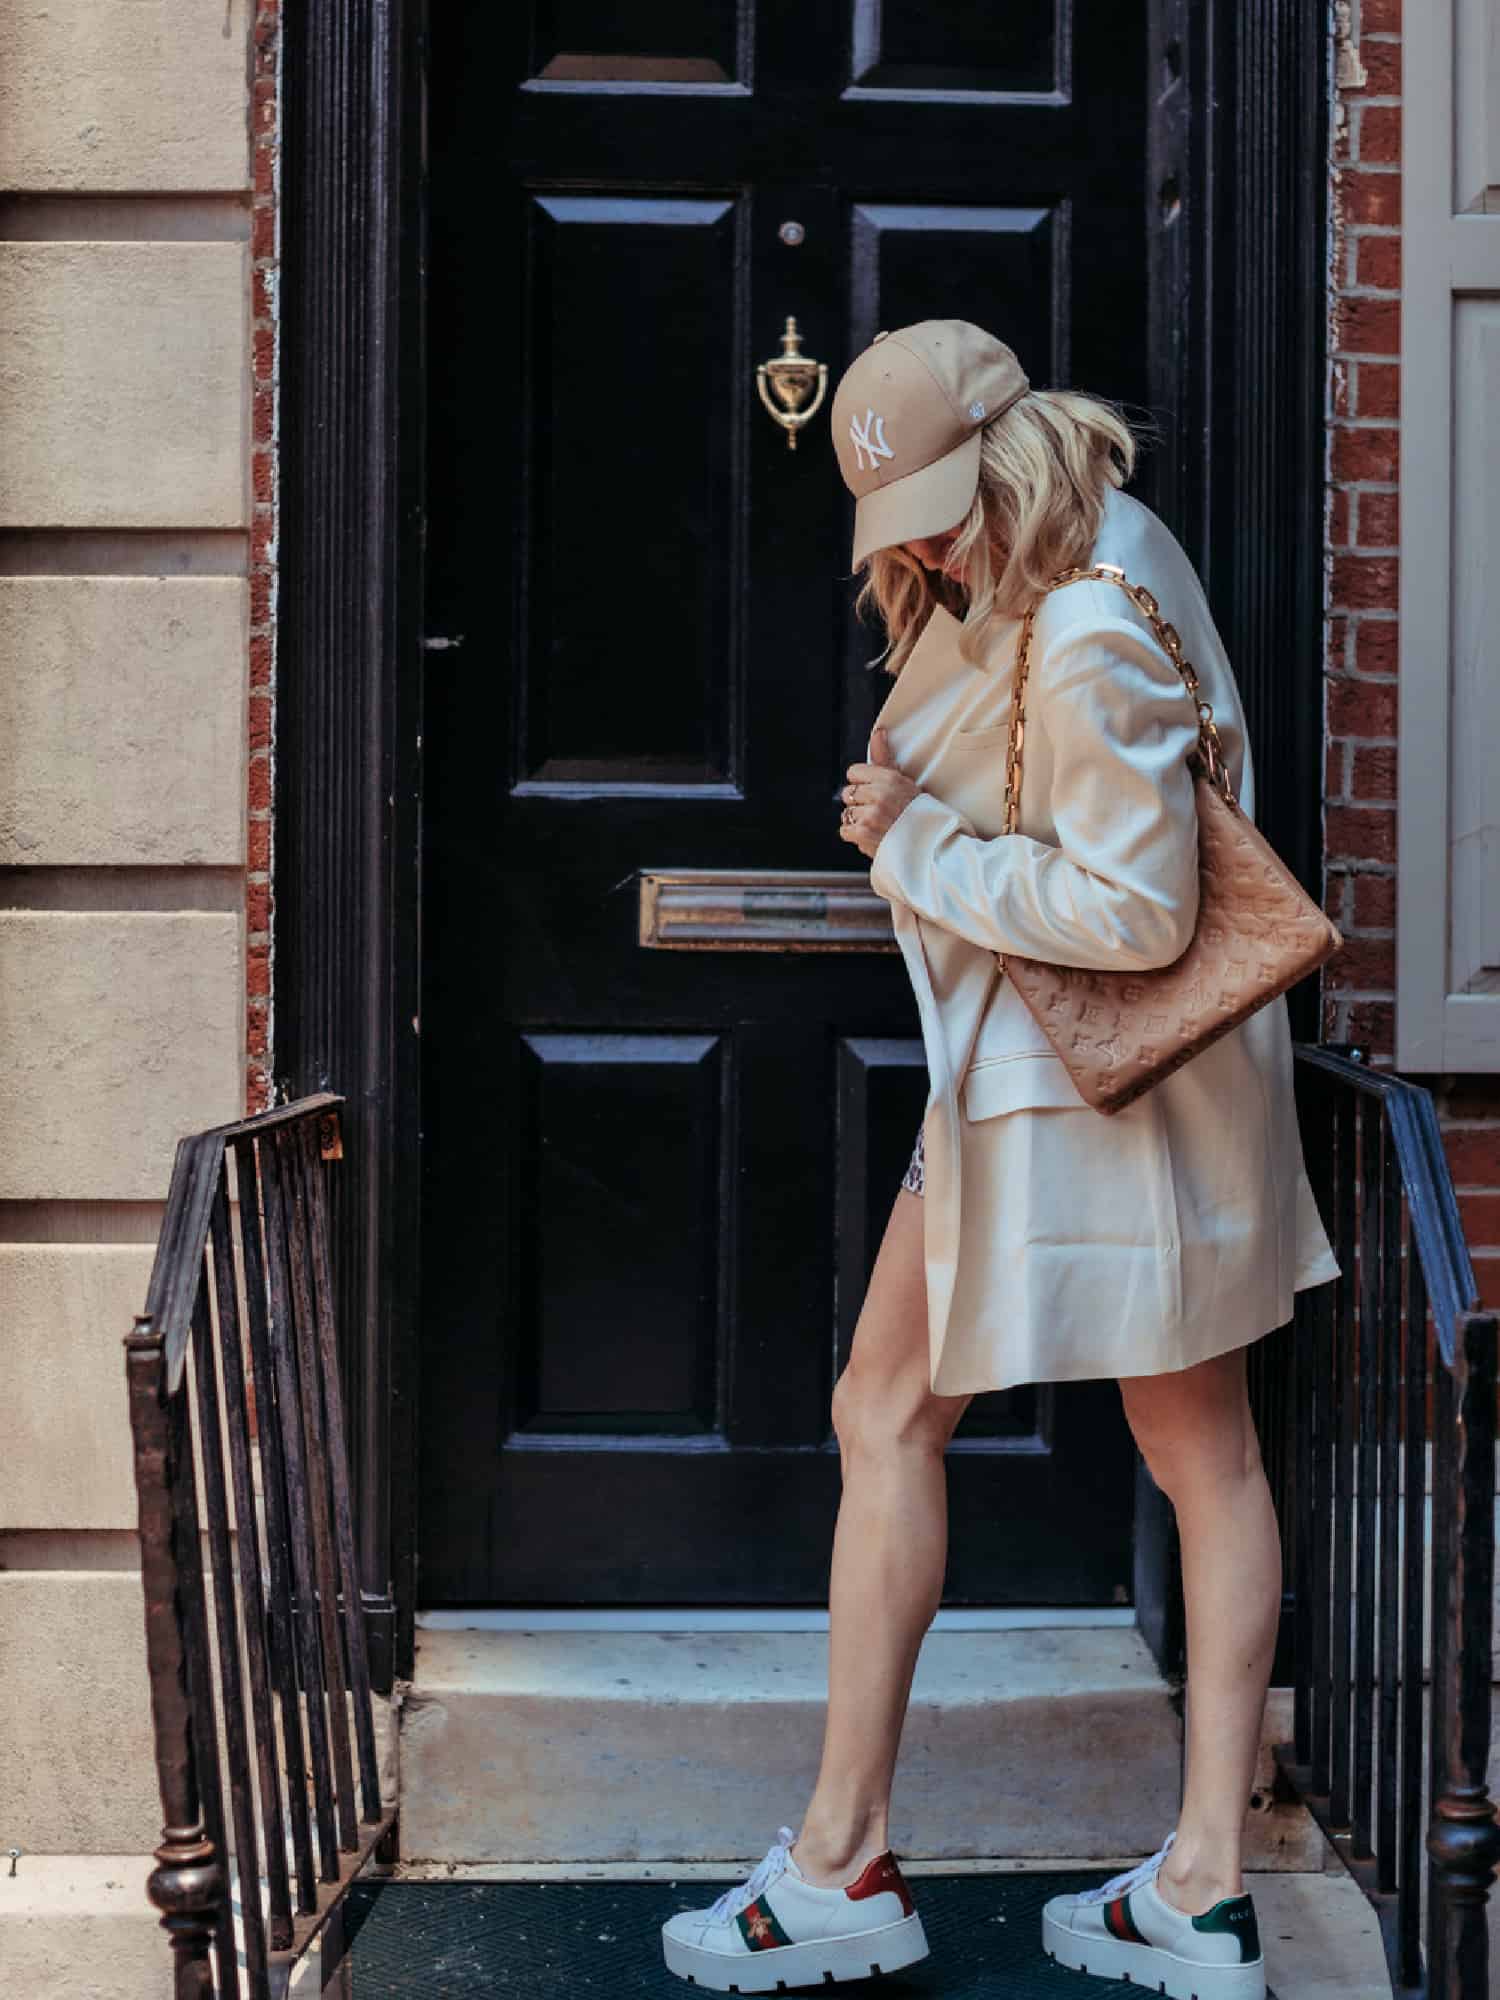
(1258, 931)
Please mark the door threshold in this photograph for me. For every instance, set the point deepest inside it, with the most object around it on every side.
(999, 1618)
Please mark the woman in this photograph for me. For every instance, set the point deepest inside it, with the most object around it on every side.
(1032, 1239)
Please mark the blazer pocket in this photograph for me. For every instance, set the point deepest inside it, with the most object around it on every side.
(1032, 1079)
(993, 732)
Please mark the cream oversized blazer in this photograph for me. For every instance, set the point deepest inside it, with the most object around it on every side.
(1061, 1243)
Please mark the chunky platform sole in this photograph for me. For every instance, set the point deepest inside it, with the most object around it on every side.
(820, 1962)
(1150, 1968)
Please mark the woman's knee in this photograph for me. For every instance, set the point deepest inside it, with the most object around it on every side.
(1192, 1433)
(877, 1410)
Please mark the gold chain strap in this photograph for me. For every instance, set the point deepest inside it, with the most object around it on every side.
(1209, 747)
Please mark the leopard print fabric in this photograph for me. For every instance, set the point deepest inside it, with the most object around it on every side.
(914, 1180)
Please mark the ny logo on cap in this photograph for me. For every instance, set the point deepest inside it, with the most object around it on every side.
(862, 444)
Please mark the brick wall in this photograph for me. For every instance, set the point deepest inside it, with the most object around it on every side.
(264, 243)
(1362, 548)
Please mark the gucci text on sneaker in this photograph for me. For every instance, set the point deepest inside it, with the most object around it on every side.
(778, 1929)
(1126, 1930)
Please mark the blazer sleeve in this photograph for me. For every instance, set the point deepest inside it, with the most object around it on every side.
(1119, 891)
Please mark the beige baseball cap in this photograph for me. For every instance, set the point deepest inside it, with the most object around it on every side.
(906, 421)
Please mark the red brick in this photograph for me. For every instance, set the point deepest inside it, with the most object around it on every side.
(260, 597)
(1340, 373)
(1361, 708)
(1336, 896)
(1338, 641)
(1470, 1097)
(1361, 833)
(260, 292)
(1377, 389)
(1382, 61)
(1374, 902)
(265, 170)
(1473, 1154)
(1380, 134)
(258, 969)
(264, 353)
(258, 784)
(258, 849)
(1371, 197)
(263, 231)
(1338, 519)
(1361, 452)
(1365, 965)
(260, 660)
(1333, 769)
(1365, 583)
(260, 722)
(1380, 17)
(262, 534)
(263, 414)
(1377, 262)
(1379, 521)
(1374, 772)
(1480, 1215)
(258, 1045)
(257, 908)
(1368, 326)
(1371, 1024)
(1375, 649)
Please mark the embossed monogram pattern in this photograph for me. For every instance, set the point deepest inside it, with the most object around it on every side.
(1258, 932)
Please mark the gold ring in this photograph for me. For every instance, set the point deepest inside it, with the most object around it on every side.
(847, 815)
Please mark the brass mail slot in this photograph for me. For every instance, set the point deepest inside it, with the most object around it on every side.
(764, 909)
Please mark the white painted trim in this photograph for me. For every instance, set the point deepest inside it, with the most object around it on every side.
(1447, 257)
(1043, 1618)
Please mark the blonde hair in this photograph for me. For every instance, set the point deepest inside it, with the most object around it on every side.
(1044, 466)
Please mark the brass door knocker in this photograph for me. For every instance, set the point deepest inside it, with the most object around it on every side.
(791, 379)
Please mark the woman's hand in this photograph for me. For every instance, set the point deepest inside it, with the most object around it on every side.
(875, 796)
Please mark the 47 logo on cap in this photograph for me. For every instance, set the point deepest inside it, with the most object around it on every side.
(863, 444)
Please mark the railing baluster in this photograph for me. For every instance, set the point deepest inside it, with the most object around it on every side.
(1363, 1779)
(1463, 1840)
(200, 1675)
(252, 1584)
(188, 1884)
(1442, 1503)
(226, 1626)
(1390, 1510)
(294, 1210)
(1413, 1622)
(1341, 1608)
(289, 1415)
(278, 1531)
(354, 1617)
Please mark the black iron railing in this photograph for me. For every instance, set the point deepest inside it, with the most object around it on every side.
(253, 1609)
(1394, 1373)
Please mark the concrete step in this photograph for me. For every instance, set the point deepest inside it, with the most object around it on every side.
(79, 1927)
(655, 1745)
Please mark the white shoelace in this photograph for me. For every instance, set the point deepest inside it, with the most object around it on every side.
(742, 1894)
(1132, 1878)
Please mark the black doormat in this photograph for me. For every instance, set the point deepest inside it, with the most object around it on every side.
(554, 1940)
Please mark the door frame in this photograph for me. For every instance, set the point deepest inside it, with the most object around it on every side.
(1236, 193)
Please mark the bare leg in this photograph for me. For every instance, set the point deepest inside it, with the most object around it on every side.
(889, 1549)
(1197, 1435)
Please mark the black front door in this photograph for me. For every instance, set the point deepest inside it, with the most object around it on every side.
(655, 1179)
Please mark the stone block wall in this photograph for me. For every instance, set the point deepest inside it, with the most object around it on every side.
(137, 378)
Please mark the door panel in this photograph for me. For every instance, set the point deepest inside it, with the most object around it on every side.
(655, 1180)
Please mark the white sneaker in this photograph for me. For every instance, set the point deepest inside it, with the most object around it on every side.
(1124, 1929)
(777, 1929)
